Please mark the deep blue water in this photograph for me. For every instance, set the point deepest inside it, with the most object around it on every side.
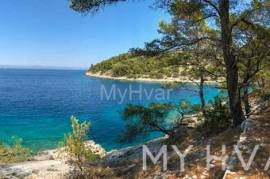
(36, 105)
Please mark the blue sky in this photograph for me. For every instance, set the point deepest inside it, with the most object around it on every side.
(49, 33)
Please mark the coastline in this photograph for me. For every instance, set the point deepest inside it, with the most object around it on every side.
(55, 163)
(150, 80)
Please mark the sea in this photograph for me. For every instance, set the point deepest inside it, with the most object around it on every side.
(36, 105)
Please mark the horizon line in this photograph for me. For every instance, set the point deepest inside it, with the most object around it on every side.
(41, 67)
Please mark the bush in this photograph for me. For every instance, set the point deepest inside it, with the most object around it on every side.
(217, 118)
(127, 64)
(95, 172)
(75, 143)
(143, 120)
(133, 76)
(14, 153)
(120, 70)
(266, 96)
(156, 75)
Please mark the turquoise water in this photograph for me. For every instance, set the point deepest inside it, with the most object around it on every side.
(36, 105)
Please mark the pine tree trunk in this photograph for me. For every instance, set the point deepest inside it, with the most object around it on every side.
(201, 94)
(231, 65)
(246, 99)
(234, 94)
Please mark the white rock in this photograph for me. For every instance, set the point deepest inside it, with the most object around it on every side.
(248, 125)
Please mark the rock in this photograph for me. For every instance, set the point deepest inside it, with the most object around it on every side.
(61, 154)
(47, 164)
(42, 156)
(133, 153)
(248, 125)
(96, 148)
(127, 169)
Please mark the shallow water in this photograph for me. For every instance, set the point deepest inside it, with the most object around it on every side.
(36, 105)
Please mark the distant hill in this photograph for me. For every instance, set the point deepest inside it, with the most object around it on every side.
(130, 66)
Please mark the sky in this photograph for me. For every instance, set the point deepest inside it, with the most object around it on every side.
(49, 33)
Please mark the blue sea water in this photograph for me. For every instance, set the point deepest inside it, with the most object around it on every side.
(36, 105)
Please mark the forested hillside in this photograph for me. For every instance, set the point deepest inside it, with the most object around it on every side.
(133, 66)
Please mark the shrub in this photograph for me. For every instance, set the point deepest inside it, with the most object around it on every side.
(14, 153)
(175, 75)
(217, 118)
(159, 76)
(120, 70)
(95, 172)
(142, 120)
(166, 72)
(75, 143)
(265, 96)
(156, 75)
(134, 76)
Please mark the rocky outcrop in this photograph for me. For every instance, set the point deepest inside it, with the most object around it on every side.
(61, 154)
(134, 153)
(54, 164)
(50, 164)
(35, 170)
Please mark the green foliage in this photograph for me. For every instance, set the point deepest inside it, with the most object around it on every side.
(120, 69)
(185, 106)
(90, 5)
(14, 153)
(217, 118)
(266, 96)
(131, 66)
(153, 118)
(75, 143)
(195, 23)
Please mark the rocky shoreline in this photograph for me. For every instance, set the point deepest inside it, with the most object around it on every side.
(150, 80)
(55, 164)
(51, 164)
